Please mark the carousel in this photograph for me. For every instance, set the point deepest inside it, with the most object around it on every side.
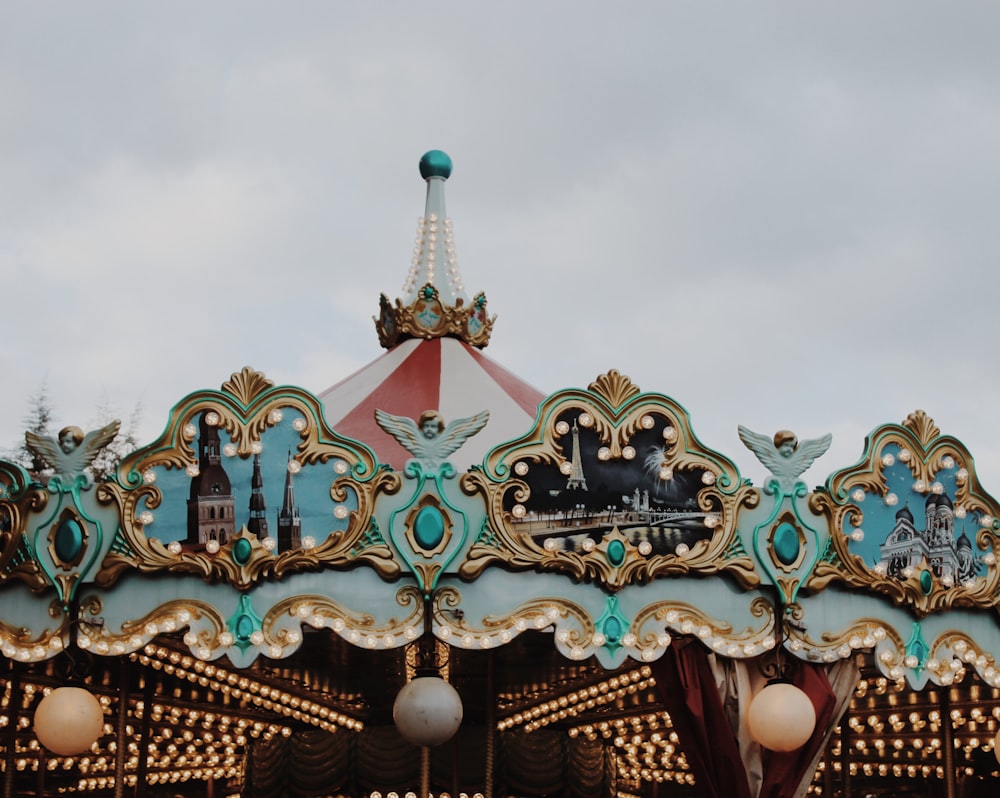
(432, 579)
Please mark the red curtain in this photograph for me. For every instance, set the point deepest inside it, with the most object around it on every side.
(783, 771)
(686, 685)
(688, 688)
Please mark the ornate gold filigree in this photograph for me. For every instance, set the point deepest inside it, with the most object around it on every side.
(471, 323)
(616, 388)
(18, 643)
(247, 407)
(864, 633)
(918, 445)
(18, 498)
(683, 618)
(170, 617)
(576, 627)
(246, 385)
(359, 628)
(615, 410)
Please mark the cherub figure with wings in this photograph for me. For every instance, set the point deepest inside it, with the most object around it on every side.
(784, 455)
(429, 439)
(71, 451)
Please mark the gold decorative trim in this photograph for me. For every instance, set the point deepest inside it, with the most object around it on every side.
(428, 317)
(18, 645)
(171, 617)
(862, 634)
(245, 385)
(927, 453)
(537, 615)
(615, 388)
(17, 500)
(616, 411)
(653, 624)
(247, 407)
(357, 628)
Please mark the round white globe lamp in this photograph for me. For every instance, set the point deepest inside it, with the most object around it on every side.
(781, 717)
(427, 711)
(69, 720)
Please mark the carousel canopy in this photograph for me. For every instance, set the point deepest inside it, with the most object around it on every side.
(432, 579)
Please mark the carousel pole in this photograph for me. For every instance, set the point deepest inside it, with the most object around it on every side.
(491, 725)
(10, 738)
(122, 748)
(845, 759)
(948, 743)
(143, 767)
(425, 771)
(828, 768)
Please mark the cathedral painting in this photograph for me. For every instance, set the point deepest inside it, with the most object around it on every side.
(225, 492)
(949, 558)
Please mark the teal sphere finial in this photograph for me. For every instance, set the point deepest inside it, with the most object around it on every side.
(435, 163)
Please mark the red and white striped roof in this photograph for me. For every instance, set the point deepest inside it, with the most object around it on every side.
(443, 374)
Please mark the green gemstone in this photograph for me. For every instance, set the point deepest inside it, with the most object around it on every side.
(786, 544)
(616, 552)
(428, 528)
(612, 630)
(242, 549)
(244, 627)
(926, 582)
(68, 540)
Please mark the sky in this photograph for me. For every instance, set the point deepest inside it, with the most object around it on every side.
(781, 215)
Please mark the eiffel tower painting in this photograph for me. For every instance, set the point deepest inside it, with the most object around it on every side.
(576, 478)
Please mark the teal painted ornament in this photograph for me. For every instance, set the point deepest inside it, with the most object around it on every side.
(926, 582)
(244, 624)
(616, 553)
(428, 528)
(786, 544)
(612, 629)
(244, 628)
(435, 164)
(68, 542)
(242, 549)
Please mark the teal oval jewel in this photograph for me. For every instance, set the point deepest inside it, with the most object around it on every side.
(242, 549)
(612, 630)
(926, 582)
(786, 544)
(616, 552)
(428, 528)
(68, 541)
(244, 627)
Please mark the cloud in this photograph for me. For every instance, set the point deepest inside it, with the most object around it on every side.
(779, 216)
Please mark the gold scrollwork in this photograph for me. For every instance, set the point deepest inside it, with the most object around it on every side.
(17, 499)
(246, 407)
(504, 545)
(684, 618)
(469, 323)
(918, 445)
(864, 633)
(537, 614)
(358, 628)
(17, 643)
(615, 410)
(170, 617)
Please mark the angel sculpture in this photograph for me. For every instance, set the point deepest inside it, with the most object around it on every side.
(72, 451)
(429, 440)
(784, 456)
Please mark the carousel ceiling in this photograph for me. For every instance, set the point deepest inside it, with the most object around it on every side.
(248, 593)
